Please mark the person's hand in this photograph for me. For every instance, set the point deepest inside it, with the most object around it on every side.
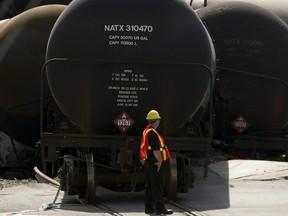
(158, 164)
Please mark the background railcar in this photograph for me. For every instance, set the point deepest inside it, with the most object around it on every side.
(251, 95)
(23, 41)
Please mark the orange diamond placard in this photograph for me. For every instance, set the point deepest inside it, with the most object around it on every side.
(240, 124)
(123, 122)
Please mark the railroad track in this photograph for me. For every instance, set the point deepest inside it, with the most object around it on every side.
(187, 211)
(107, 209)
(177, 206)
(102, 207)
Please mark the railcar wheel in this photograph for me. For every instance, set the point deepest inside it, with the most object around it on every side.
(171, 187)
(91, 174)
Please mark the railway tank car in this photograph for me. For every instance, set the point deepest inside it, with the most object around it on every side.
(252, 93)
(9, 9)
(23, 41)
(279, 7)
(108, 63)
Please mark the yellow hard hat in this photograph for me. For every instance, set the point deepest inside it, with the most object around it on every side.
(153, 115)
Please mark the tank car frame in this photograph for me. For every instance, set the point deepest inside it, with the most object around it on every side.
(82, 170)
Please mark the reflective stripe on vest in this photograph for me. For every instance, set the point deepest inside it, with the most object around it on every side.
(144, 147)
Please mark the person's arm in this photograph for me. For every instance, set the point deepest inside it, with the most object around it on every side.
(154, 144)
(157, 155)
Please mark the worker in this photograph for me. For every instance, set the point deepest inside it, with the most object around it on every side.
(154, 155)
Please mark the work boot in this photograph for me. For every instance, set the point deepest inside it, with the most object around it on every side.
(149, 211)
(164, 211)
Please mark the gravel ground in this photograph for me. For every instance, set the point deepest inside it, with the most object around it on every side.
(198, 159)
(5, 183)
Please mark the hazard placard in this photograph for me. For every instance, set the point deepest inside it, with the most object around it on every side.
(240, 124)
(123, 122)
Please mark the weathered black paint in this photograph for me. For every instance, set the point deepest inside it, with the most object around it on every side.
(176, 57)
(251, 45)
(23, 41)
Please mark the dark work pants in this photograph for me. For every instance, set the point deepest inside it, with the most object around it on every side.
(155, 182)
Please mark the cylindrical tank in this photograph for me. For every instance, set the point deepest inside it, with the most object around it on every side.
(248, 38)
(23, 41)
(9, 9)
(279, 7)
(106, 58)
(3, 23)
(251, 45)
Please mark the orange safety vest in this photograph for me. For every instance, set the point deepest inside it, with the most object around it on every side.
(145, 147)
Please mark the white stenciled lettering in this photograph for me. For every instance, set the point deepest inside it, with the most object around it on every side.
(139, 28)
(128, 28)
(143, 38)
(253, 43)
(239, 42)
(114, 37)
(113, 42)
(241, 124)
(127, 71)
(113, 28)
(126, 37)
(123, 122)
(232, 41)
(126, 43)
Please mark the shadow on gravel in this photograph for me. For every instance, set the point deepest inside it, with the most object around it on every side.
(209, 193)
